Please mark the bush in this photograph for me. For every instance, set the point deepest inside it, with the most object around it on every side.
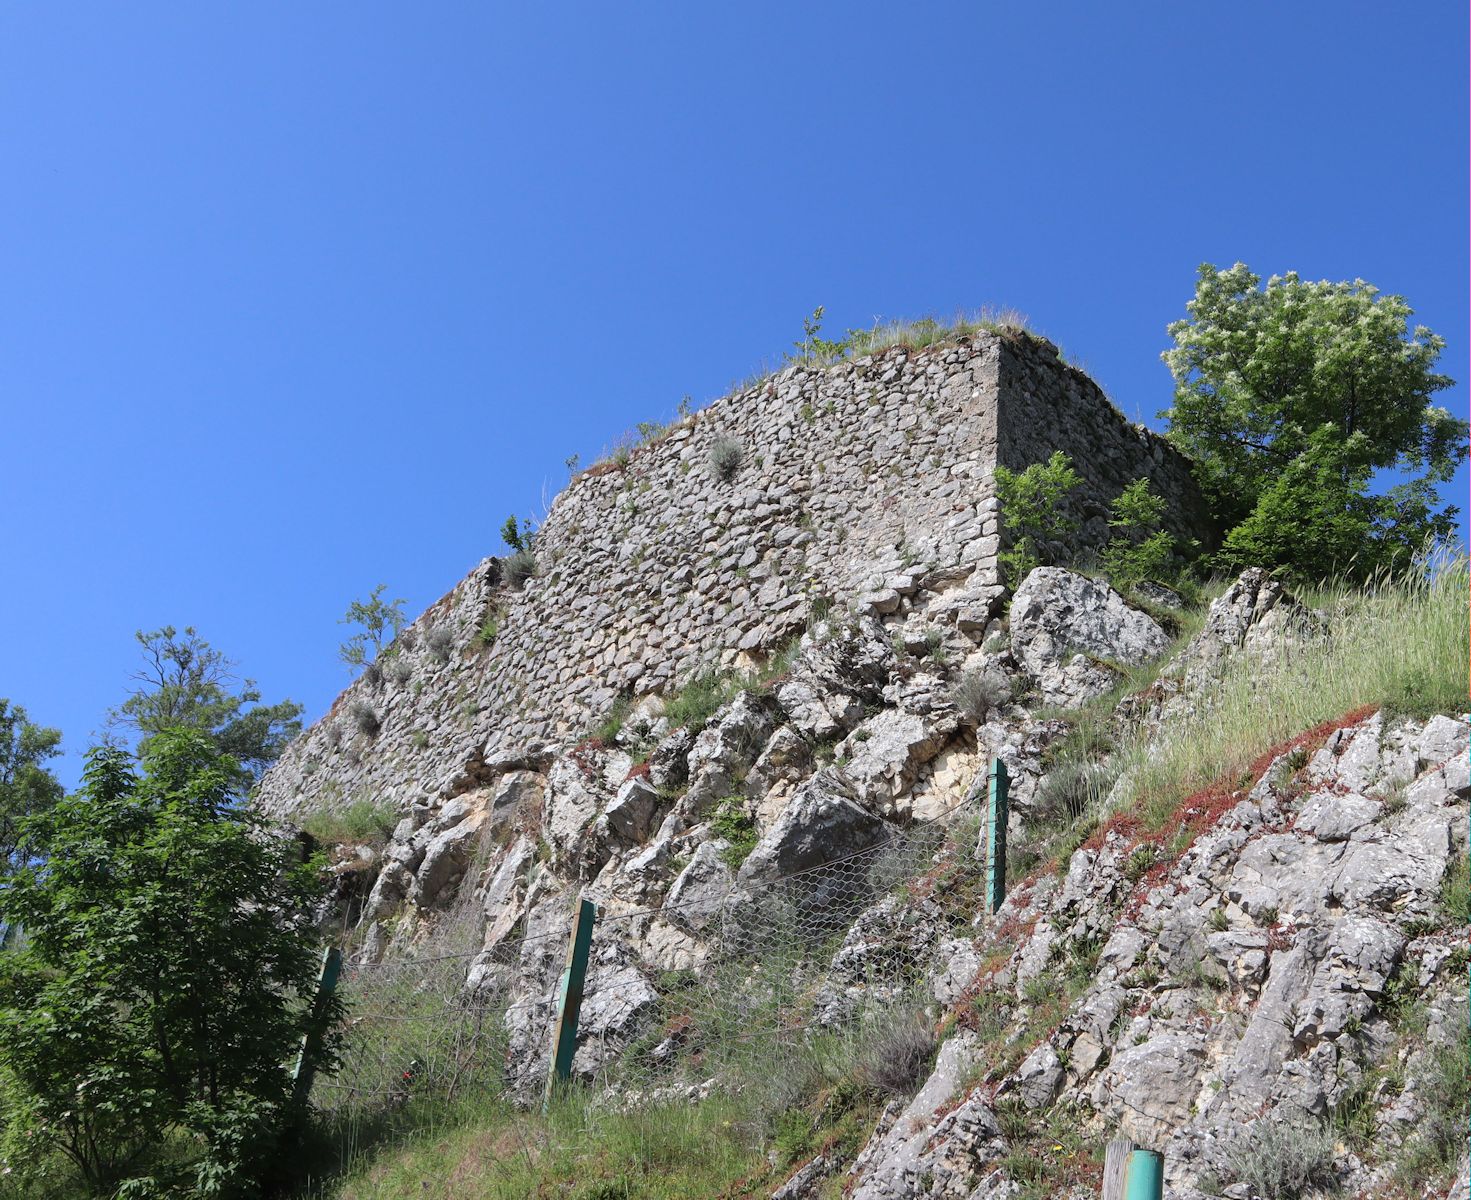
(976, 693)
(1033, 512)
(725, 457)
(398, 670)
(518, 568)
(365, 717)
(1070, 789)
(895, 1052)
(1282, 1159)
(439, 641)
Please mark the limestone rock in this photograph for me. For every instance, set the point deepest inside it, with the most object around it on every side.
(823, 822)
(1061, 621)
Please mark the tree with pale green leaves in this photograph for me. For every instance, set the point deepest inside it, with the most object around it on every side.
(1139, 549)
(381, 621)
(1290, 397)
(1034, 512)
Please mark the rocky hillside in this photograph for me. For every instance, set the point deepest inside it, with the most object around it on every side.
(750, 716)
(1265, 982)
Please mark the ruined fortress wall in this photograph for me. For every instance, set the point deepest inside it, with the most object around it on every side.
(1046, 405)
(866, 483)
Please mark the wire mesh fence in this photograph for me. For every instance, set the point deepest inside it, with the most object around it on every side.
(776, 963)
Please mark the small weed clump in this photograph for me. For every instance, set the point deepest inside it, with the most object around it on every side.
(439, 642)
(895, 1053)
(518, 568)
(978, 693)
(725, 457)
(733, 823)
(365, 717)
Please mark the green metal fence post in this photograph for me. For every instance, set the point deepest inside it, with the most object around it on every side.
(996, 837)
(569, 999)
(305, 1070)
(1144, 1177)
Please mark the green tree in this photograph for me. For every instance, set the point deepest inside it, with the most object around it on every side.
(1034, 513)
(148, 1024)
(1139, 549)
(381, 620)
(26, 787)
(186, 683)
(1266, 376)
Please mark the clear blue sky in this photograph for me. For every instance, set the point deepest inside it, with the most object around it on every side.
(297, 298)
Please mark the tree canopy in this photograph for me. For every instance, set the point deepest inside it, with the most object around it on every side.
(187, 684)
(147, 1025)
(1280, 387)
(26, 787)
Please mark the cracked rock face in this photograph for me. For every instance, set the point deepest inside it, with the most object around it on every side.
(1063, 622)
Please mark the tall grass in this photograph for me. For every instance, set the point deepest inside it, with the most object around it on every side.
(1401, 644)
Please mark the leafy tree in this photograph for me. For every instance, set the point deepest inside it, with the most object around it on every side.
(1268, 376)
(1317, 520)
(1033, 512)
(26, 787)
(381, 621)
(148, 1024)
(187, 684)
(1139, 549)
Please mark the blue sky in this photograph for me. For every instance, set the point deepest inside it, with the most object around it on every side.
(295, 299)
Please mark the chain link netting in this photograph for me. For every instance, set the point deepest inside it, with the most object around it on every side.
(766, 966)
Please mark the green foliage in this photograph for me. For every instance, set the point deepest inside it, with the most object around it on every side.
(1439, 1139)
(381, 621)
(1139, 549)
(27, 789)
(1403, 638)
(813, 345)
(733, 823)
(1033, 512)
(1290, 397)
(696, 702)
(611, 726)
(511, 534)
(171, 951)
(187, 684)
(490, 627)
(1316, 520)
(363, 822)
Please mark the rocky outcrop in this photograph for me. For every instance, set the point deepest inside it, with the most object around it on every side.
(1066, 628)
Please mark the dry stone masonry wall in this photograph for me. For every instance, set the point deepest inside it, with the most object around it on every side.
(865, 484)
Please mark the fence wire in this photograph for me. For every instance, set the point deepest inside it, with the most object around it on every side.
(761, 966)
